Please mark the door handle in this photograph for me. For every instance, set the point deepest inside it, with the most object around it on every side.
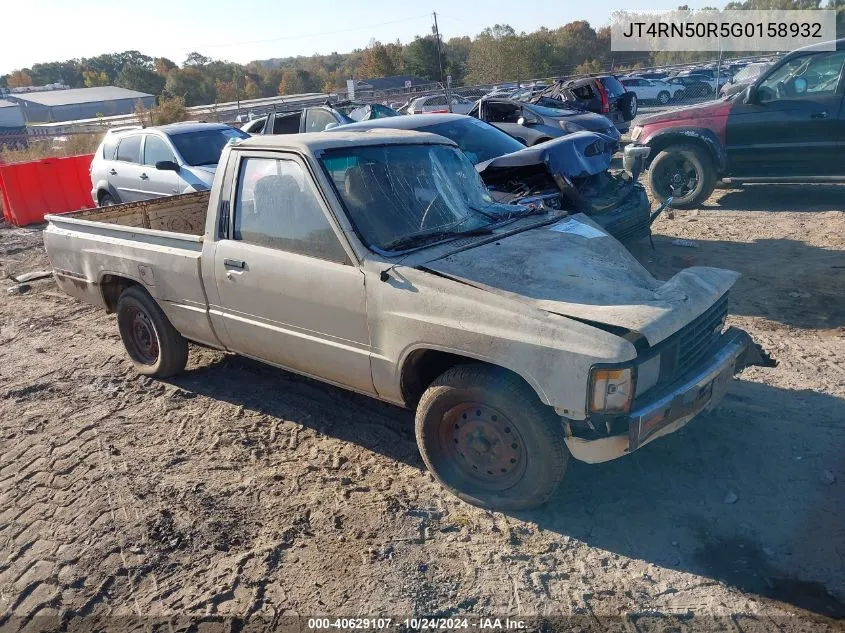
(234, 263)
(113, 172)
(144, 177)
(819, 115)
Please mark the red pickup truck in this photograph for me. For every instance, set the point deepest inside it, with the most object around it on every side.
(788, 126)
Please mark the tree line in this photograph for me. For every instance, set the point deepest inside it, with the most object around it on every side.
(496, 54)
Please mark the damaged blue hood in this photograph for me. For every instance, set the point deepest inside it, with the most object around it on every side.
(576, 155)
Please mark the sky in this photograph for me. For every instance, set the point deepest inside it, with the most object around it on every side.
(34, 31)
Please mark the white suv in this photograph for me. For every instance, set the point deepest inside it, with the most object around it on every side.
(142, 163)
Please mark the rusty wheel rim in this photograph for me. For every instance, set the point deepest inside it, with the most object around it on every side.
(484, 445)
(143, 339)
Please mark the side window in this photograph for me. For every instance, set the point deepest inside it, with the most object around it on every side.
(806, 76)
(109, 147)
(129, 149)
(156, 150)
(277, 207)
(316, 120)
(436, 101)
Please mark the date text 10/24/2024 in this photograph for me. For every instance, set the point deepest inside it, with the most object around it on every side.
(416, 624)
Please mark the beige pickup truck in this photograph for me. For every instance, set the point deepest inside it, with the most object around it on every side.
(378, 262)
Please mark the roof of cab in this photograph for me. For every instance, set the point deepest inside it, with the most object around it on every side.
(317, 141)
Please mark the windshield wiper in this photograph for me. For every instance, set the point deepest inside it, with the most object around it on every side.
(409, 241)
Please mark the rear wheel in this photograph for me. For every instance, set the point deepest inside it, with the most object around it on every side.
(154, 345)
(541, 140)
(487, 438)
(683, 172)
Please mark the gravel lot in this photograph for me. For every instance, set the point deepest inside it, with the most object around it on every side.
(238, 489)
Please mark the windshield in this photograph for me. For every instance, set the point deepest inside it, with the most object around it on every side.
(477, 139)
(203, 147)
(404, 196)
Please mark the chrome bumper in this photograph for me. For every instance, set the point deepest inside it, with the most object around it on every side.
(673, 410)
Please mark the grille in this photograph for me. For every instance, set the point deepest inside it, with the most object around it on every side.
(691, 344)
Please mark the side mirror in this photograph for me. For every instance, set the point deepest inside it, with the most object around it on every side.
(167, 165)
(748, 94)
(331, 126)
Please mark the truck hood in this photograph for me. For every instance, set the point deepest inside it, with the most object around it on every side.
(703, 112)
(575, 269)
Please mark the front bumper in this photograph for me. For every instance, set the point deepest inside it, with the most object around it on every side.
(700, 391)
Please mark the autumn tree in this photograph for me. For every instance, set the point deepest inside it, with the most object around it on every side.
(162, 65)
(381, 60)
(92, 78)
(19, 79)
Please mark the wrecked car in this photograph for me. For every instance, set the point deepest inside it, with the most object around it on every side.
(533, 124)
(378, 262)
(317, 118)
(569, 173)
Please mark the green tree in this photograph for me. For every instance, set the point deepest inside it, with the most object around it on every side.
(140, 79)
(195, 59)
(191, 84)
(421, 58)
(297, 82)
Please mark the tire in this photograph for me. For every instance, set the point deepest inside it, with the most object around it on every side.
(666, 176)
(153, 344)
(106, 200)
(663, 97)
(541, 140)
(463, 423)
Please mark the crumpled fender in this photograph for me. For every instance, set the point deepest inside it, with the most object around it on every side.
(575, 155)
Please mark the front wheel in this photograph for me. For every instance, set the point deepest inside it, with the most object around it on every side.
(154, 345)
(663, 97)
(683, 172)
(488, 439)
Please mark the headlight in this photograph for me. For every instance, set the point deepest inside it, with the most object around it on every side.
(570, 127)
(612, 390)
(635, 132)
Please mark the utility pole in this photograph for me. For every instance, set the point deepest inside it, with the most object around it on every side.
(440, 63)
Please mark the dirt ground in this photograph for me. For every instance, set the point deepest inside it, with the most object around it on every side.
(238, 489)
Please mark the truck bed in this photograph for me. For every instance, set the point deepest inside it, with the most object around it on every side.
(175, 214)
(155, 243)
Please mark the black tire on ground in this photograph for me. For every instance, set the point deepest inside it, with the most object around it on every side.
(663, 97)
(487, 438)
(106, 200)
(684, 172)
(153, 344)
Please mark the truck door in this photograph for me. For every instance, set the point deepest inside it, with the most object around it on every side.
(288, 291)
(792, 125)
